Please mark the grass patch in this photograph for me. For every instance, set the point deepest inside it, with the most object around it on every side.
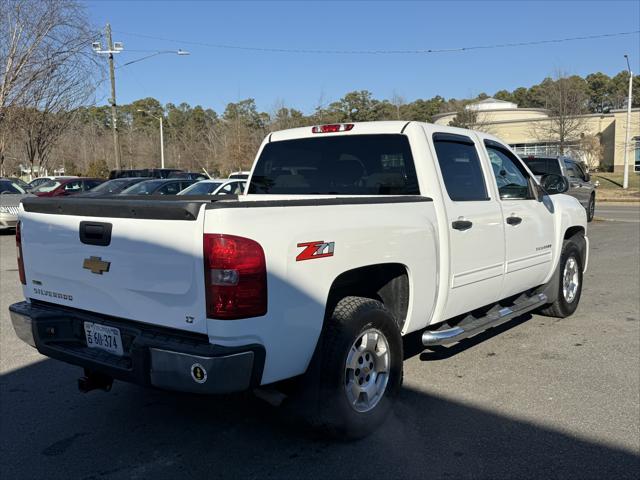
(613, 181)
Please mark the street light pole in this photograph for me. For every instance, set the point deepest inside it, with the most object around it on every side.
(625, 180)
(160, 119)
(161, 145)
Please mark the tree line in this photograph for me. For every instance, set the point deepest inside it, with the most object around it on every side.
(46, 123)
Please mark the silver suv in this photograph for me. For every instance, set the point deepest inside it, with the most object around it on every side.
(580, 185)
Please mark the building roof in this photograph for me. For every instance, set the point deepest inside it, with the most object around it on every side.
(492, 104)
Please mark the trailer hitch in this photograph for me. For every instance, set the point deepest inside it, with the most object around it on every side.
(94, 381)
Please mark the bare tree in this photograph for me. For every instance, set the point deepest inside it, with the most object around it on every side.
(591, 150)
(44, 66)
(567, 101)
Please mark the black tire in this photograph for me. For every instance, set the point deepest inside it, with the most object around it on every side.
(562, 307)
(333, 412)
(591, 207)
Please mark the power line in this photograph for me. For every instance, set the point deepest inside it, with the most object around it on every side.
(383, 52)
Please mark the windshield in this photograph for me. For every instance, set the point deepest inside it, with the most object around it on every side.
(346, 165)
(543, 166)
(143, 188)
(47, 186)
(7, 186)
(201, 188)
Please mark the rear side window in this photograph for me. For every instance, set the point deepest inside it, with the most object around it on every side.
(342, 165)
(460, 167)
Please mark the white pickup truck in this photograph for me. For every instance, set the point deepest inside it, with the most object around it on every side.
(349, 237)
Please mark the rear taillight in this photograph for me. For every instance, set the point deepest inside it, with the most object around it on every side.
(332, 128)
(235, 277)
(23, 278)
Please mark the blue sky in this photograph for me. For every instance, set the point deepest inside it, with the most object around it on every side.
(212, 77)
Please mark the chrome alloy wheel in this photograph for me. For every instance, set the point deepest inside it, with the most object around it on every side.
(367, 370)
(570, 280)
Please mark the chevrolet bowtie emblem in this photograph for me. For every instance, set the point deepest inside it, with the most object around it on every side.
(96, 265)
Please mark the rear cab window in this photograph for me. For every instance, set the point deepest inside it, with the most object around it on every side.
(543, 166)
(380, 164)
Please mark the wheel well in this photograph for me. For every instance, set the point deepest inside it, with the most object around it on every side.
(387, 282)
(582, 244)
(571, 231)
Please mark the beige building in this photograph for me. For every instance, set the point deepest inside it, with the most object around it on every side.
(524, 129)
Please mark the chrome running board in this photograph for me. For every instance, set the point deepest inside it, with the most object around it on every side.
(471, 326)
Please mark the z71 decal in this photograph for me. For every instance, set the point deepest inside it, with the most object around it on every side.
(313, 250)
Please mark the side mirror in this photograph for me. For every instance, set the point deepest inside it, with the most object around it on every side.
(554, 184)
(587, 177)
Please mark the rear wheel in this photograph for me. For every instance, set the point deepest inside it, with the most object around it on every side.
(359, 370)
(591, 208)
(570, 282)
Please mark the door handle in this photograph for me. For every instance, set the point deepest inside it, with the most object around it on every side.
(462, 225)
(513, 220)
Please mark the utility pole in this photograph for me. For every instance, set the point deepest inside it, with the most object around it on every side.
(625, 181)
(111, 49)
(114, 113)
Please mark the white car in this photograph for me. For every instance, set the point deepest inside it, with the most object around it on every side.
(353, 236)
(215, 187)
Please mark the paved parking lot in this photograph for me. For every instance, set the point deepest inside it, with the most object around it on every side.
(537, 398)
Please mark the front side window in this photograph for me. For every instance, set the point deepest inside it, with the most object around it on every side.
(511, 177)
(340, 165)
(460, 167)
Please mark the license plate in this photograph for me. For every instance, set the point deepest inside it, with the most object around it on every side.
(103, 337)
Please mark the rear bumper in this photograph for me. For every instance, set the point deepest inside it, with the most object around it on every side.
(153, 356)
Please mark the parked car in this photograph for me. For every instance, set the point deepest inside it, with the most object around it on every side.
(10, 195)
(240, 175)
(312, 278)
(216, 187)
(144, 172)
(113, 187)
(576, 173)
(189, 175)
(66, 186)
(166, 186)
(36, 182)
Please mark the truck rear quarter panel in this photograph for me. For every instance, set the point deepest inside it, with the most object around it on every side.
(298, 289)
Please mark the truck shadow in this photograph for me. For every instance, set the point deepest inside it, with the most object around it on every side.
(50, 430)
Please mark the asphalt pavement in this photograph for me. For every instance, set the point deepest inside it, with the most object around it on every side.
(618, 212)
(535, 398)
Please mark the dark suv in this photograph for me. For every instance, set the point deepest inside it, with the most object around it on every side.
(575, 172)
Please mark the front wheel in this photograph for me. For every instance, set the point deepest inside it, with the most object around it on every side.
(591, 208)
(570, 282)
(359, 368)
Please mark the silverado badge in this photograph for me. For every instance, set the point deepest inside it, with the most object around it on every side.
(96, 265)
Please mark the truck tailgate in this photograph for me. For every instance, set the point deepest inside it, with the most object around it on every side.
(150, 270)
